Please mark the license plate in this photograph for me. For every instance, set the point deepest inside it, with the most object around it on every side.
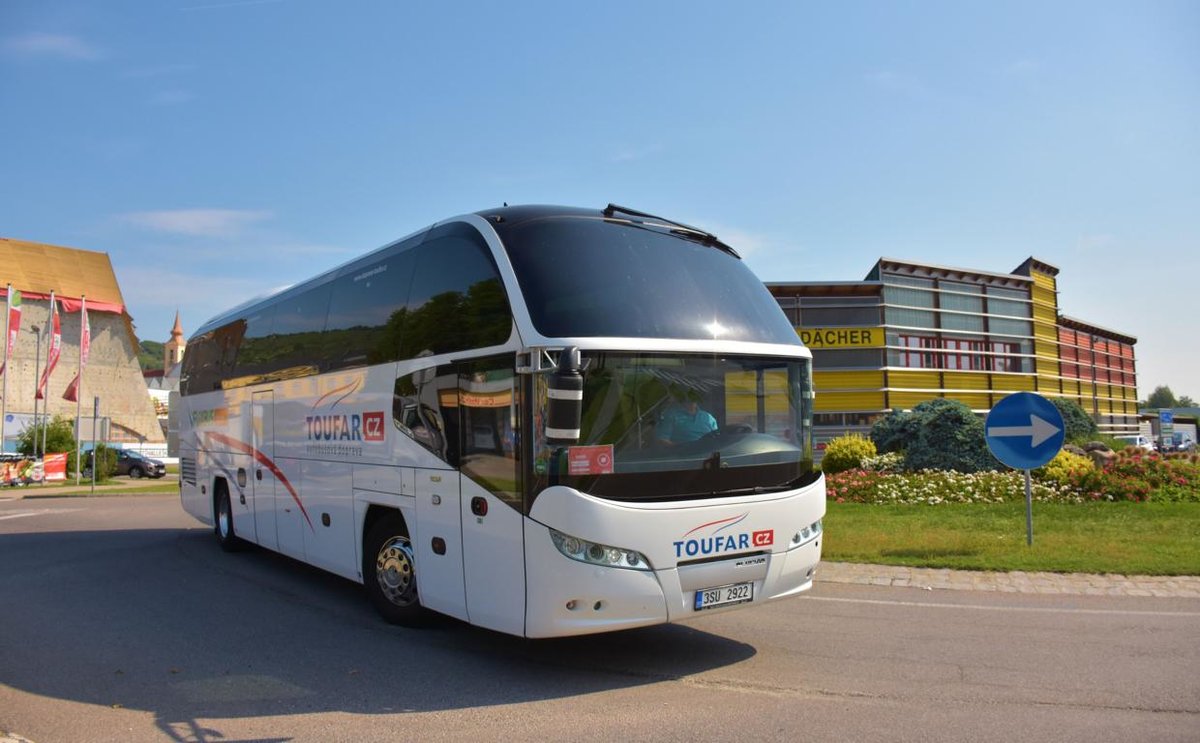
(734, 593)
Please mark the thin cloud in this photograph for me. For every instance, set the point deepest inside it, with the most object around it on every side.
(1023, 67)
(197, 222)
(630, 154)
(167, 70)
(59, 46)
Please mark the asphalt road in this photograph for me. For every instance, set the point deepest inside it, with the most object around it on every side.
(121, 620)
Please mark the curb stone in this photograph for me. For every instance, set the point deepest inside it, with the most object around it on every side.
(1082, 584)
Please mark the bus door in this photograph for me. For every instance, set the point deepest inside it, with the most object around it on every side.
(438, 542)
(262, 482)
(492, 521)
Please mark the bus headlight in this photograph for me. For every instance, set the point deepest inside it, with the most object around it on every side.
(598, 554)
(808, 533)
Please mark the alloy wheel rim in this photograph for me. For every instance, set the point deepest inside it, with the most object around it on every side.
(394, 571)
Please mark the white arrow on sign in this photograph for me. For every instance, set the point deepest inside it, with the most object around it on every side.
(1038, 430)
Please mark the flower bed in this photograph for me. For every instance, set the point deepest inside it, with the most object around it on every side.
(1129, 477)
(939, 486)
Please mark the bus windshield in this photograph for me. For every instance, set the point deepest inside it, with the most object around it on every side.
(588, 277)
(671, 426)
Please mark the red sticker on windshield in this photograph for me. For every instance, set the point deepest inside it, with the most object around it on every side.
(590, 460)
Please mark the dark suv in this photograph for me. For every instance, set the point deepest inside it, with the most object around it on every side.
(137, 465)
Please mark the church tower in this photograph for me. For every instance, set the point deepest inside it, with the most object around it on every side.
(173, 349)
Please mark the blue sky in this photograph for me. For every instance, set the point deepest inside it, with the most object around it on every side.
(217, 149)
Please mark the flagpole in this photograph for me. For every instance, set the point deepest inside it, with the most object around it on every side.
(46, 392)
(37, 377)
(79, 390)
(4, 399)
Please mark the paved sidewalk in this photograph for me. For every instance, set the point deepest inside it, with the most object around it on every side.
(1083, 584)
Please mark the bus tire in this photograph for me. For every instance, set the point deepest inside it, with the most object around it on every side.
(223, 519)
(390, 573)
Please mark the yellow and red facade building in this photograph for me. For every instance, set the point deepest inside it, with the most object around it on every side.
(911, 332)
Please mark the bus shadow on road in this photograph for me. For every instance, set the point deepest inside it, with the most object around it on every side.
(161, 620)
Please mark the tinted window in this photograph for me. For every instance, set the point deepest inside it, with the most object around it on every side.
(367, 309)
(199, 365)
(457, 300)
(593, 277)
(209, 358)
(488, 405)
(425, 408)
(299, 326)
(257, 353)
(824, 317)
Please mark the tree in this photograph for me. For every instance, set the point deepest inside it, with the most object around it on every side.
(60, 437)
(1186, 402)
(1080, 428)
(1162, 397)
(150, 355)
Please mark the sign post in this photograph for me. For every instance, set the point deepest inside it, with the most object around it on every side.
(1166, 429)
(1025, 431)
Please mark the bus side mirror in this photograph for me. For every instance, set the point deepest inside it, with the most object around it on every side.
(565, 399)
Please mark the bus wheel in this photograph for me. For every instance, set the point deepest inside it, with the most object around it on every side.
(390, 573)
(223, 513)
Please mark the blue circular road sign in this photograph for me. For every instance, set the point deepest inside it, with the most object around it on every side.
(1024, 430)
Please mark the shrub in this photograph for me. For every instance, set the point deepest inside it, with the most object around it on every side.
(894, 431)
(1136, 475)
(948, 437)
(1064, 465)
(106, 456)
(846, 453)
(1080, 428)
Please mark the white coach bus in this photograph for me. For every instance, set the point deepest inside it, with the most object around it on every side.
(540, 420)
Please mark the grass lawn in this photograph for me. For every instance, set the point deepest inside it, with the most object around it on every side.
(110, 487)
(1123, 538)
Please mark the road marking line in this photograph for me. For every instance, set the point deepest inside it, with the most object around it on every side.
(42, 512)
(984, 607)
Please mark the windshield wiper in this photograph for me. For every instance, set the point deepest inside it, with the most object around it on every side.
(682, 230)
(756, 490)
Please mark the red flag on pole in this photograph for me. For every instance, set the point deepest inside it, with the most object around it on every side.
(85, 343)
(55, 349)
(14, 326)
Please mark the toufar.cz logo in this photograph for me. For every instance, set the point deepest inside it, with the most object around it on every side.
(717, 538)
(365, 426)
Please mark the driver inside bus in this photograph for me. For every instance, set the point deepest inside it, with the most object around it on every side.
(684, 421)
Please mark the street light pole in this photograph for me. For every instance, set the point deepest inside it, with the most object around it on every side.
(37, 373)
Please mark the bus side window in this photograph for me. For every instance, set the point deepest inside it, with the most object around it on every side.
(299, 325)
(489, 414)
(457, 301)
(425, 408)
(367, 310)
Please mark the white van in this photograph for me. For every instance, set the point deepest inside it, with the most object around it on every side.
(1140, 441)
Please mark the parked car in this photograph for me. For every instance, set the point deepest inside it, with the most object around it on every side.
(135, 464)
(1181, 442)
(1140, 441)
(130, 463)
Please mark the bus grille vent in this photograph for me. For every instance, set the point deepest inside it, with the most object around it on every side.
(187, 470)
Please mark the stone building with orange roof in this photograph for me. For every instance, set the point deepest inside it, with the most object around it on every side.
(111, 373)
